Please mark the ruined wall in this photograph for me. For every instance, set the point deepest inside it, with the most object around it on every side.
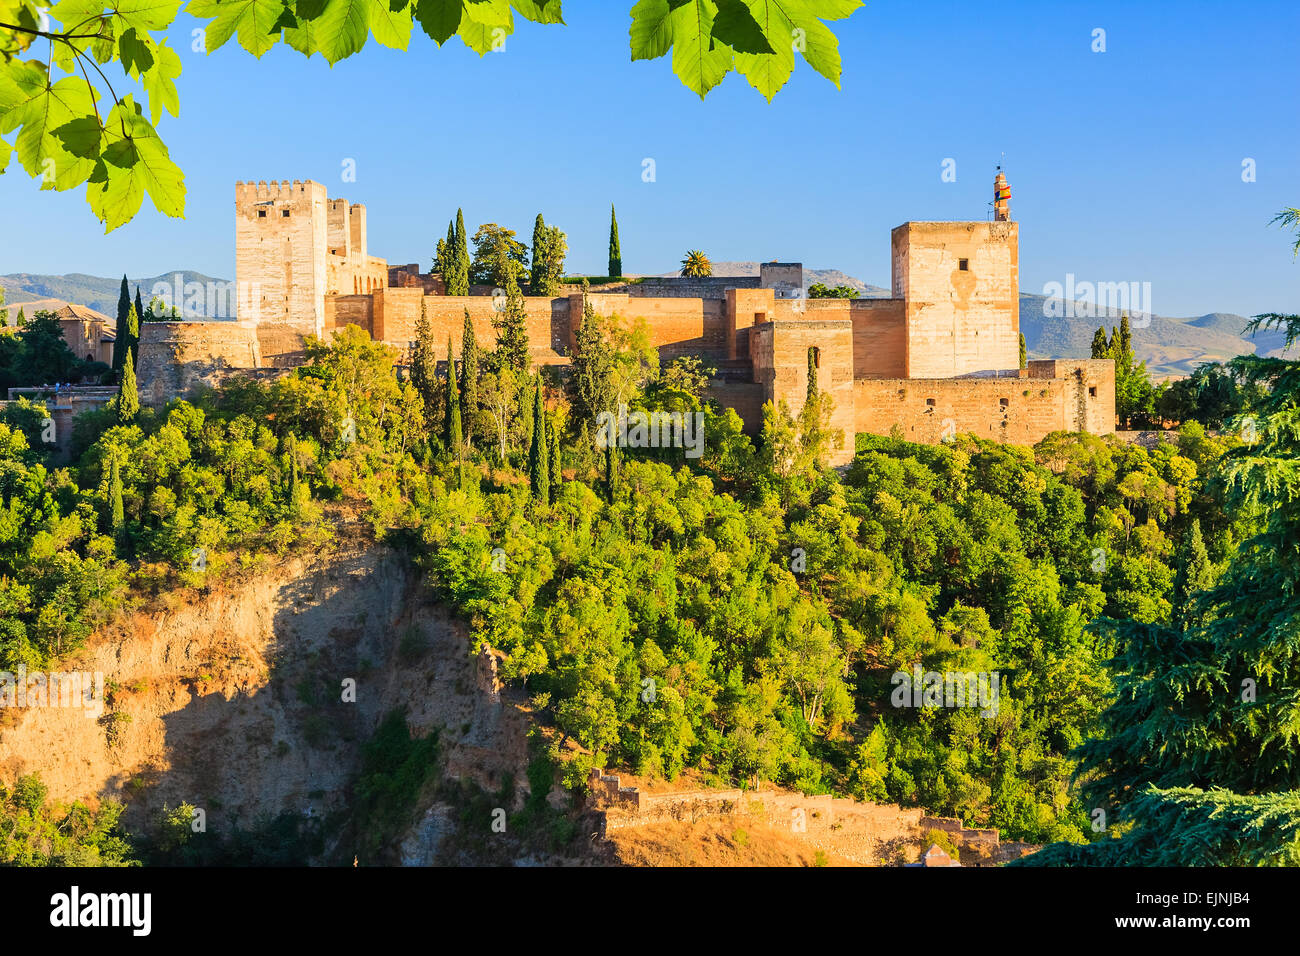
(961, 284)
(708, 287)
(179, 358)
(1089, 395)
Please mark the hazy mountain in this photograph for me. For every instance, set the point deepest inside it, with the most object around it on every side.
(828, 277)
(94, 292)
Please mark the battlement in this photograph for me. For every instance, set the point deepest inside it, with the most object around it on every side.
(278, 191)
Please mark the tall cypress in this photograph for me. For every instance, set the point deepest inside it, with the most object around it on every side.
(452, 436)
(615, 252)
(1024, 352)
(123, 311)
(539, 481)
(812, 373)
(424, 364)
(469, 363)
(139, 306)
(460, 252)
(537, 277)
(128, 398)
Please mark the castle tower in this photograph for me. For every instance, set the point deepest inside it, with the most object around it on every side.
(960, 282)
(281, 231)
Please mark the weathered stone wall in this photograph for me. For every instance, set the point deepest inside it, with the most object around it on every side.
(959, 320)
(1022, 409)
(708, 287)
(280, 251)
(179, 358)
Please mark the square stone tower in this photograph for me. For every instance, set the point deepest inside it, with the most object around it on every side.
(281, 231)
(960, 282)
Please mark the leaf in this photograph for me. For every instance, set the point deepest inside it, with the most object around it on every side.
(136, 50)
(440, 19)
(255, 22)
(652, 29)
(131, 166)
(699, 62)
(81, 137)
(26, 101)
(391, 27)
(159, 83)
(5, 152)
(343, 28)
(768, 72)
(147, 14)
(491, 13)
(821, 49)
(539, 11)
(736, 27)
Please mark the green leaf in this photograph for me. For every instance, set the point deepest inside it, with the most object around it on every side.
(491, 13)
(26, 101)
(343, 28)
(832, 9)
(160, 83)
(768, 72)
(255, 21)
(440, 19)
(131, 166)
(736, 27)
(136, 50)
(147, 14)
(539, 11)
(391, 27)
(821, 48)
(698, 61)
(652, 29)
(5, 152)
(81, 137)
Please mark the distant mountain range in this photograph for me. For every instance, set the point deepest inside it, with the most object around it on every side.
(94, 292)
(1171, 347)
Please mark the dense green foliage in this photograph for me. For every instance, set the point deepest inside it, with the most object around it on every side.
(35, 832)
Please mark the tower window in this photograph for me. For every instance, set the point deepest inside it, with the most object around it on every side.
(963, 265)
(1092, 391)
(930, 402)
(1003, 402)
(261, 214)
(285, 213)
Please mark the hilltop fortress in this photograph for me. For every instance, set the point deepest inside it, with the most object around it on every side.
(938, 358)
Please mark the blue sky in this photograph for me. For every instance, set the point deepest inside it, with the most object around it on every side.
(1125, 165)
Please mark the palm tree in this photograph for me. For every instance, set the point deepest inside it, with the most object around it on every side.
(696, 265)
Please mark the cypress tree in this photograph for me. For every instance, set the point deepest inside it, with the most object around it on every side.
(128, 398)
(424, 364)
(460, 252)
(539, 481)
(537, 277)
(512, 325)
(117, 514)
(139, 309)
(1024, 352)
(615, 252)
(133, 332)
(122, 335)
(812, 373)
(468, 377)
(452, 436)
(22, 317)
(1100, 344)
(1125, 339)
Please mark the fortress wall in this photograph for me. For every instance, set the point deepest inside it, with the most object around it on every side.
(879, 338)
(397, 314)
(1034, 408)
(1090, 395)
(179, 358)
(344, 310)
(677, 325)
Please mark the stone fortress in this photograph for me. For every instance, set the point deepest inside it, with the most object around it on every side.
(939, 357)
